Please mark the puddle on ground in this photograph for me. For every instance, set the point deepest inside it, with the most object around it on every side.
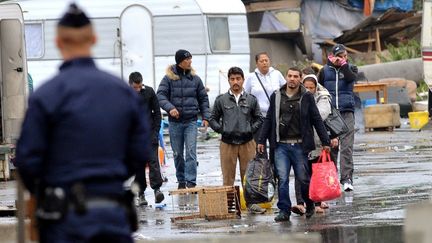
(382, 234)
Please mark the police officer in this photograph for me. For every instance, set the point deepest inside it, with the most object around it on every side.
(82, 137)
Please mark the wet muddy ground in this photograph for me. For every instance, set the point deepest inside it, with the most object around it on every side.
(392, 170)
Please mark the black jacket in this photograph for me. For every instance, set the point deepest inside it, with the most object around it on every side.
(236, 123)
(151, 104)
(309, 118)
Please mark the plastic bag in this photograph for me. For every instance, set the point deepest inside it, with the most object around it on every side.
(259, 185)
(324, 183)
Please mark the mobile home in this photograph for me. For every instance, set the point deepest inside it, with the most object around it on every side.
(143, 35)
(13, 70)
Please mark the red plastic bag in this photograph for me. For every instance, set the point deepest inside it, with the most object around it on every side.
(324, 183)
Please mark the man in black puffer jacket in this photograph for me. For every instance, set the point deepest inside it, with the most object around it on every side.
(182, 95)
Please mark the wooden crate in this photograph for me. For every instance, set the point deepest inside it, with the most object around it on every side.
(382, 116)
(216, 202)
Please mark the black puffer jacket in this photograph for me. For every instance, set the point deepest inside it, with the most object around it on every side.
(184, 91)
(236, 123)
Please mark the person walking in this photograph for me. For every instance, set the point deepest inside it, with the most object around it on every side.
(288, 126)
(237, 116)
(80, 142)
(182, 95)
(338, 77)
(322, 100)
(262, 83)
(151, 103)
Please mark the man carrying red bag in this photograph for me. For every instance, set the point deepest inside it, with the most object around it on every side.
(288, 126)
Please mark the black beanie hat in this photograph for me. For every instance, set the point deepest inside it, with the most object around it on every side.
(181, 55)
(74, 17)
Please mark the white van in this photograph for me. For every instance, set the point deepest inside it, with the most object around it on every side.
(143, 35)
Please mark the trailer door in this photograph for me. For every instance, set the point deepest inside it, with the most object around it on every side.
(137, 43)
(13, 69)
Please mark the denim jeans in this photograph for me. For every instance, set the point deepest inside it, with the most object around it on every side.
(287, 155)
(184, 134)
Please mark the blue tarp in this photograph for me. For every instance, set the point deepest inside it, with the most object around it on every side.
(384, 5)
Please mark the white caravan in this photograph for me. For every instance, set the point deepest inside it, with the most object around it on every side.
(143, 35)
(13, 74)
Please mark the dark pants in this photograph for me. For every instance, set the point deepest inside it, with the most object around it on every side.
(287, 156)
(97, 225)
(297, 185)
(154, 171)
(344, 154)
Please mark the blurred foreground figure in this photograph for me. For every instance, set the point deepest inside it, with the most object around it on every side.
(82, 137)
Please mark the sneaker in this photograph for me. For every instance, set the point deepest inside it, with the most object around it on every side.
(347, 186)
(142, 201)
(181, 185)
(159, 196)
(256, 209)
(310, 211)
(282, 217)
(298, 209)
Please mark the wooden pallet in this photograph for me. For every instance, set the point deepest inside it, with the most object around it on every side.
(214, 202)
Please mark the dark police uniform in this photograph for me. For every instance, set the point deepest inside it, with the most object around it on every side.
(83, 127)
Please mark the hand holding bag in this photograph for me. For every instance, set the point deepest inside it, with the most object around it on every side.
(259, 184)
(335, 123)
(324, 183)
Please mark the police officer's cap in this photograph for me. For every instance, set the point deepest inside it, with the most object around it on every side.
(74, 17)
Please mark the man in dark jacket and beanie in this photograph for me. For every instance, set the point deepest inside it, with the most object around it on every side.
(182, 95)
(151, 104)
(338, 77)
(288, 126)
(80, 142)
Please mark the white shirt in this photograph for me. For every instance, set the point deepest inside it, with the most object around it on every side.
(272, 81)
(236, 96)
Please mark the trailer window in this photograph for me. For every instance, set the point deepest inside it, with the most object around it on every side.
(219, 34)
(34, 40)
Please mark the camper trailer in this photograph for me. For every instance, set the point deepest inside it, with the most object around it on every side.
(13, 81)
(143, 35)
(13, 72)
